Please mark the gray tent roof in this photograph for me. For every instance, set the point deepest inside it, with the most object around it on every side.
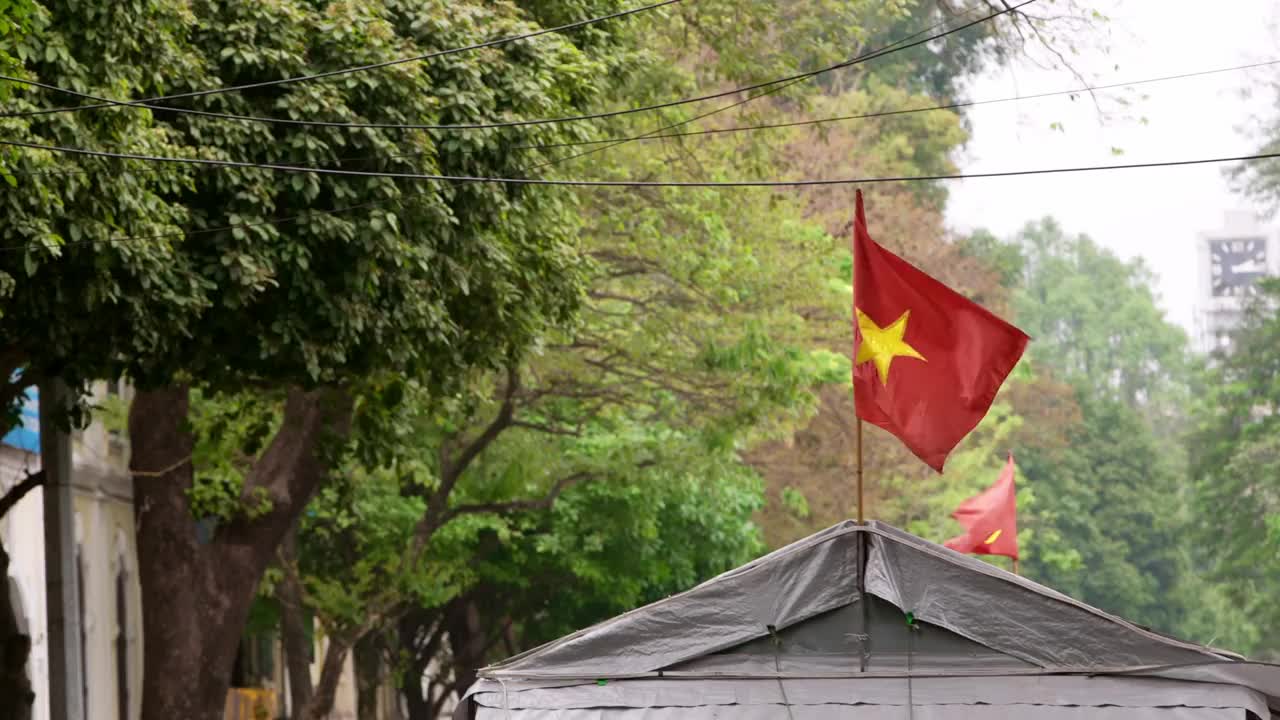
(826, 615)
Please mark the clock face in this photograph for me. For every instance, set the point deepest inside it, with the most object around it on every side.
(1236, 265)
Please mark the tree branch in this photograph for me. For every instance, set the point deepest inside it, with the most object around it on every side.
(29, 483)
(162, 472)
(289, 565)
(453, 468)
(437, 510)
(446, 690)
(545, 428)
(541, 503)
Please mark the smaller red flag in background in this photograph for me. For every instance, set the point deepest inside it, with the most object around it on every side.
(990, 519)
(927, 360)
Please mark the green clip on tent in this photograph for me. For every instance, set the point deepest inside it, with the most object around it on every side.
(866, 622)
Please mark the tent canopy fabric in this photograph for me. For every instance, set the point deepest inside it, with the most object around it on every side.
(879, 697)
(818, 630)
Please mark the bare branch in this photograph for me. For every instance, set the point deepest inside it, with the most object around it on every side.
(16, 493)
(1035, 28)
(162, 472)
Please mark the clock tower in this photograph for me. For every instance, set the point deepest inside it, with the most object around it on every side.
(1231, 260)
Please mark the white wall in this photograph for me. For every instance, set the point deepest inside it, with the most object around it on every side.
(104, 534)
(22, 530)
(105, 537)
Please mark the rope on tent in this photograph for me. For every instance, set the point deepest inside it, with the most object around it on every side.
(777, 668)
(506, 703)
(912, 628)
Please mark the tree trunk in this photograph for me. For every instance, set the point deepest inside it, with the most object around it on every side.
(196, 595)
(368, 657)
(416, 701)
(467, 640)
(15, 686)
(297, 645)
(326, 692)
(181, 597)
(411, 625)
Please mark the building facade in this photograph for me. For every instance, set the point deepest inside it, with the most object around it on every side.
(109, 601)
(1230, 261)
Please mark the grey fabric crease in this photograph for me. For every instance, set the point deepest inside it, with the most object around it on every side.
(873, 712)
(1076, 691)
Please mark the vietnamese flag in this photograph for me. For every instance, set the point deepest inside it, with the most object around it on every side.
(990, 519)
(927, 360)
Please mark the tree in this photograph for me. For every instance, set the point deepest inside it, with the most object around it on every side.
(1260, 180)
(1233, 465)
(624, 358)
(15, 686)
(689, 347)
(1111, 530)
(1110, 523)
(810, 474)
(14, 16)
(324, 312)
(428, 280)
(691, 344)
(1096, 321)
(605, 547)
(1234, 462)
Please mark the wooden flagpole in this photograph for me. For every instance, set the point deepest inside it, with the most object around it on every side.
(853, 358)
(861, 515)
(1015, 566)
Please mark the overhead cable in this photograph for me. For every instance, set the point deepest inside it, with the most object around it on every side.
(609, 144)
(901, 111)
(518, 123)
(626, 183)
(789, 124)
(146, 102)
(851, 181)
(615, 141)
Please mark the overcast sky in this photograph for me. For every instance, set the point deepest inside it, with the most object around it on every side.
(1154, 214)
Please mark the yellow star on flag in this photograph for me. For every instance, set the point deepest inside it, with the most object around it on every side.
(882, 345)
(993, 537)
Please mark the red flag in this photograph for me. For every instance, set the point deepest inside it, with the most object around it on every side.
(990, 519)
(927, 361)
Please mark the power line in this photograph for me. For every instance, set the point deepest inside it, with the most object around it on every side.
(615, 142)
(333, 211)
(653, 135)
(107, 102)
(636, 183)
(904, 111)
(515, 123)
(851, 181)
